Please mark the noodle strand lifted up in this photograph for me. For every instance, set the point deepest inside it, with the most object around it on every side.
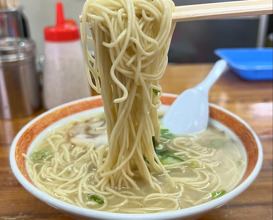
(130, 41)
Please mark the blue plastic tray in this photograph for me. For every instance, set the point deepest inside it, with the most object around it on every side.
(249, 63)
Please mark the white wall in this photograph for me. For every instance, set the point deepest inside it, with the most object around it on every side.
(41, 13)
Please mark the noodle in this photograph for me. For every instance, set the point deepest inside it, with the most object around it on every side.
(131, 40)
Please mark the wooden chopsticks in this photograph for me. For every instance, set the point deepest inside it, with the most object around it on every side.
(222, 10)
(7, 4)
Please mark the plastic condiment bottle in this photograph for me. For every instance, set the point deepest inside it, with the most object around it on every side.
(64, 77)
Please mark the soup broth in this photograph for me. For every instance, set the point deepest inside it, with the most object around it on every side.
(202, 167)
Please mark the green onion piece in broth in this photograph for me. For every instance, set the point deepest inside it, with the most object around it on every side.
(40, 156)
(95, 199)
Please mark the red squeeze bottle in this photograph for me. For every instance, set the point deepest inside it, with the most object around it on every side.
(64, 30)
(64, 69)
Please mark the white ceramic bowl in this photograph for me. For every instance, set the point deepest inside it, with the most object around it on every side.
(29, 133)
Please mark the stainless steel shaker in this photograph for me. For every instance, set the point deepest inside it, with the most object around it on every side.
(19, 84)
(13, 23)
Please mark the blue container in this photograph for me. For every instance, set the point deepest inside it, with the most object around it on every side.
(249, 63)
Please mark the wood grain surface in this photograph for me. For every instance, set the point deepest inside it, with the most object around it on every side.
(252, 101)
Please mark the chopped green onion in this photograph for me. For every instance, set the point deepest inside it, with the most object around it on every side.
(145, 159)
(168, 159)
(95, 198)
(162, 152)
(166, 134)
(155, 91)
(165, 156)
(40, 156)
(164, 130)
(154, 142)
(216, 195)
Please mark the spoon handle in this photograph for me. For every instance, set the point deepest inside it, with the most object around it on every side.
(218, 69)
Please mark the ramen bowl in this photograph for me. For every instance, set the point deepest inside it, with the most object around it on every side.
(27, 137)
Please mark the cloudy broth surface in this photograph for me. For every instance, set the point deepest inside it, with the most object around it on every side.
(202, 167)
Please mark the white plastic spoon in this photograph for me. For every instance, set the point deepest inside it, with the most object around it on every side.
(190, 111)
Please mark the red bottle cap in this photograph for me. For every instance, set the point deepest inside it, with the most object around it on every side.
(64, 30)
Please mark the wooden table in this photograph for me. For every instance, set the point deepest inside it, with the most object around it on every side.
(252, 101)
